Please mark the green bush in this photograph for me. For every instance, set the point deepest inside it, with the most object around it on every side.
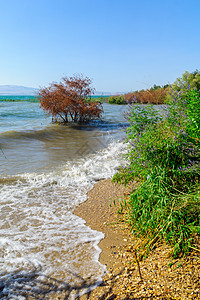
(163, 156)
(187, 81)
(117, 100)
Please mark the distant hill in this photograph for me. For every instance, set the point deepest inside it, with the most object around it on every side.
(97, 93)
(17, 90)
(29, 91)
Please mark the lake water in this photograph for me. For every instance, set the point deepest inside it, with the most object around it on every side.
(46, 170)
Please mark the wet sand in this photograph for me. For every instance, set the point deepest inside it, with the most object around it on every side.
(100, 213)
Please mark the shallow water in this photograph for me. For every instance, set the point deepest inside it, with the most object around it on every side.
(46, 171)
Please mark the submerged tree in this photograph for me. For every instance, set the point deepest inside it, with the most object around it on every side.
(70, 100)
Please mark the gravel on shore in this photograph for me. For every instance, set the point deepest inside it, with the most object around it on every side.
(162, 277)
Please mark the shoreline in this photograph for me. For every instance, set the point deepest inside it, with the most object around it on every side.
(163, 277)
(100, 204)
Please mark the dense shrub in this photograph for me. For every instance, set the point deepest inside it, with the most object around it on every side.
(188, 80)
(154, 96)
(164, 157)
(117, 100)
(130, 98)
(183, 84)
(70, 100)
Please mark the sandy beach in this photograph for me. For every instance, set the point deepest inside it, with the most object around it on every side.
(162, 276)
(100, 213)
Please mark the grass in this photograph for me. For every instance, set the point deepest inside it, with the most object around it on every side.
(164, 157)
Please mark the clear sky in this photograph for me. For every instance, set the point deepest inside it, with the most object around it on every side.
(123, 45)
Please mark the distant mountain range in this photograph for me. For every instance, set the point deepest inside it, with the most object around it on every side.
(29, 91)
(17, 90)
(97, 93)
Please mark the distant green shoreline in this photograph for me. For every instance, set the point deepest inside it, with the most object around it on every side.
(31, 98)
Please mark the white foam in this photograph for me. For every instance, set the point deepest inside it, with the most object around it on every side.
(38, 228)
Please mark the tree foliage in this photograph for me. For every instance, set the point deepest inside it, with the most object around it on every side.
(118, 99)
(187, 81)
(70, 100)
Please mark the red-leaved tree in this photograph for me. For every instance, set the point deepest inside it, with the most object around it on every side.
(70, 100)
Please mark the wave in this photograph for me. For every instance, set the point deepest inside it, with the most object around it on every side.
(91, 168)
(30, 134)
(53, 130)
(38, 228)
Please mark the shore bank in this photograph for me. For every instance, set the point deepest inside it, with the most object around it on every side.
(162, 276)
(99, 212)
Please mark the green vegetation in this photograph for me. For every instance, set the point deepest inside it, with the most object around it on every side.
(101, 99)
(159, 94)
(164, 158)
(117, 100)
(154, 95)
(188, 80)
(19, 99)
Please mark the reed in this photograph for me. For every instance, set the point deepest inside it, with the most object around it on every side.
(164, 157)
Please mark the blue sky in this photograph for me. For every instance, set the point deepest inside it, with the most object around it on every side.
(123, 45)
